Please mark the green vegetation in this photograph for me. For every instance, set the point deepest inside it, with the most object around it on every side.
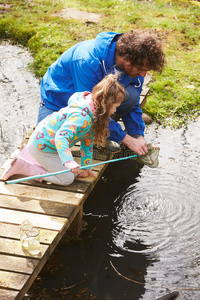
(174, 95)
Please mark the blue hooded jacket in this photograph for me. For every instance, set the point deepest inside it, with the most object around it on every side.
(79, 69)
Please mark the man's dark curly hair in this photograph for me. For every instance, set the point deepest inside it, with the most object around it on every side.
(138, 47)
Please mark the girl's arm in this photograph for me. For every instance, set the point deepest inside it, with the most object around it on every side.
(86, 155)
(69, 134)
(75, 169)
(86, 149)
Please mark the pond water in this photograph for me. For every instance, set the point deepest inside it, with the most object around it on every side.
(142, 223)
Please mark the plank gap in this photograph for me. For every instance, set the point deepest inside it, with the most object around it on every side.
(20, 256)
(9, 289)
(37, 212)
(76, 187)
(16, 272)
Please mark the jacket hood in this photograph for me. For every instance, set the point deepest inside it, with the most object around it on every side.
(103, 43)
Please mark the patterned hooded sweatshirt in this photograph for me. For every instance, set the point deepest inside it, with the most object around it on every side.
(63, 129)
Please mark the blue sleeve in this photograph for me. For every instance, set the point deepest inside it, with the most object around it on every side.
(117, 134)
(133, 121)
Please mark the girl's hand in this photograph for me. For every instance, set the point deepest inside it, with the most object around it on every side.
(86, 173)
(73, 166)
(75, 170)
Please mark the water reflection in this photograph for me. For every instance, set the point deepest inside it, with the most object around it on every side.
(159, 214)
(104, 201)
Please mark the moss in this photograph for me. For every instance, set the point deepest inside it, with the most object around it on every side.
(12, 30)
(174, 95)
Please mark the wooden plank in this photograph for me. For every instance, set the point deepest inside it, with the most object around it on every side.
(42, 262)
(147, 79)
(42, 206)
(41, 221)
(90, 179)
(33, 192)
(142, 99)
(12, 280)
(145, 90)
(76, 186)
(8, 294)
(13, 247)
(12, 231)
(17, 264)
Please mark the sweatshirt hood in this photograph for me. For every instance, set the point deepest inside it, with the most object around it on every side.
(84, 102)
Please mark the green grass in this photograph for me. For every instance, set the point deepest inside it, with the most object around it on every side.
(174, 95)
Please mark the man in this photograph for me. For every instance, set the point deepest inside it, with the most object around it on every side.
(129, 55)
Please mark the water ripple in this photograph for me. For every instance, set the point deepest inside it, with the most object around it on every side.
(159, 214)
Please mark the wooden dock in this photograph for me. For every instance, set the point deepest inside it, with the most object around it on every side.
(51, 208)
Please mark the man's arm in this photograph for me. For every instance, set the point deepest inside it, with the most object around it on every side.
(117, 134)
(135, 125)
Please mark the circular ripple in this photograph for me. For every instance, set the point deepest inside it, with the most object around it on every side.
(162, 209)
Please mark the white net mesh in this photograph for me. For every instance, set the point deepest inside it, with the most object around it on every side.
(151, 158)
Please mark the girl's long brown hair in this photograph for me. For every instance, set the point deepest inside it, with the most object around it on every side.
(104, 94)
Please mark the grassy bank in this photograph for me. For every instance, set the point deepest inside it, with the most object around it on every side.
(174, 95)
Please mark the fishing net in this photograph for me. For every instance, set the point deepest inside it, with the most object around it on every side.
(151, 158)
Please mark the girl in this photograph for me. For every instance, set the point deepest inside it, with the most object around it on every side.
(85, 119)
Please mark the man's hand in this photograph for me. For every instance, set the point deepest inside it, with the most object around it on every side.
(86, 173)
(137, 145)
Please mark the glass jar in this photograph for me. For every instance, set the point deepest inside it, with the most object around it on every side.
(25, 227)
(34, 241)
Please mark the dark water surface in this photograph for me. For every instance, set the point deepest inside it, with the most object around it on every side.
(145, 222)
